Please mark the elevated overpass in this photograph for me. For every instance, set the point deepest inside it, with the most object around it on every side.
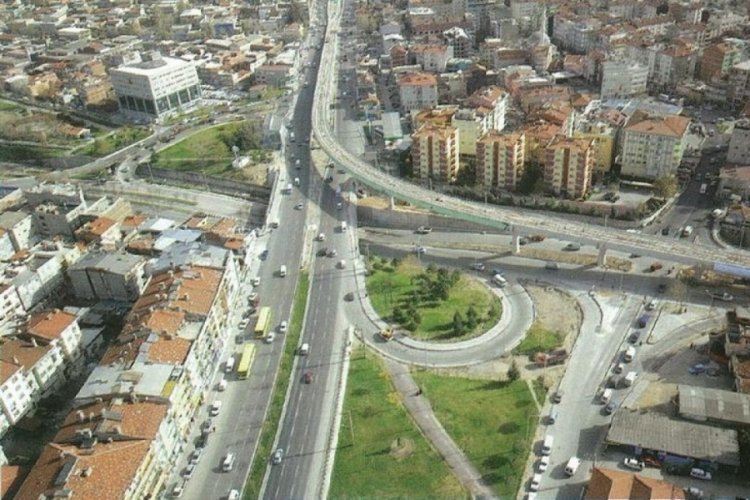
(492, 216)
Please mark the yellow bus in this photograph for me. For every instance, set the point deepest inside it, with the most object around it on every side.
(246, 361)
(264, 322)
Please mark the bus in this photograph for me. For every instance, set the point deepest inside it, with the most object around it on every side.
(246, 361)
(264, 322)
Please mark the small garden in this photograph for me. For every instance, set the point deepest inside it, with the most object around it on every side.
(433, 303)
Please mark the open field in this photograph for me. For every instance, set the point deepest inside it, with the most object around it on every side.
(491, 421)
(381, 453)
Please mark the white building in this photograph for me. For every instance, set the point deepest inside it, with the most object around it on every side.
(56, 328)
(16, 391)
(653, 145)
(622, 78)
(155, 87)
(418, 91)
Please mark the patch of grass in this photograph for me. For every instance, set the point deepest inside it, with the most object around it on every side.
(390, 287)
(537, 339)
(381, 453)
(108, 144)
(205, 152)
(492, 422)
(273, 417)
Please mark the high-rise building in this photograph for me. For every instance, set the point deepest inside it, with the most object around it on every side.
(652, 145)
(568, 165)
(434, 153)
(500, 159)
(155, 87)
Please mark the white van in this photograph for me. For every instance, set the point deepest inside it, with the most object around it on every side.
(229, 365)
(629, 354)
(297, 164)
(572, 466)
(499, 280)
(222, 385)
(304, 349)
(296, 181)
(606, 396)
(343, 226)
(629, 379)
(547, 446)
(228, 463)
(282, 271)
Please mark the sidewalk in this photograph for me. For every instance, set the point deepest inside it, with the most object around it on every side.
(421, 411)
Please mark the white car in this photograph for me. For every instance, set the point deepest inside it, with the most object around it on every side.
(536, 481)
(543, 464)
(700, 474)
(633, 463)
(283, 326)
(270, 338)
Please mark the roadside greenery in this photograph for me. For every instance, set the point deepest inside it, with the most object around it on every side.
(273, 417)
(539, 339)
(433, 303)
(492, 422)
(381, 453)
(108, 144)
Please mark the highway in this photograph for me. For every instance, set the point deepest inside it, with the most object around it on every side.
(304, 431)
(325, 94)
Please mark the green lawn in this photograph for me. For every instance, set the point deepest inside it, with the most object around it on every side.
(492, 422)
(273, 418)
(118, 139)
(389, 288)
(539, 339)
(369, 463)
(204, 152)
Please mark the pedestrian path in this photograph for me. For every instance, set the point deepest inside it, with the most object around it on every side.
(421, 411)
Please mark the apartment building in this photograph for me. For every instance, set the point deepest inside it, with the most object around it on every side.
(673, 65)
(105, 449)
(623, 78)
(739, 144)
(483, 111)
(432, 58)
(604, 135)
(739, 84)
(108, 276)
(10, 303)
(155, 87)
(417, 91)
(56, 327)
(717, 60)
(568, 165)
(500, 159)
(434, 153)
(16, 392)
(653, 145)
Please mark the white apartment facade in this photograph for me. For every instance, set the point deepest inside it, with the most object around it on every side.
(418, 91)
(652, 146)
(623, 78)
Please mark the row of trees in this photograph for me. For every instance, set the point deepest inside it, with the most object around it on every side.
(433, 285)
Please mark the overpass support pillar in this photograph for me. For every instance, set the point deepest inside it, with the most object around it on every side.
(391, 203)
(601, 259)
(515, 241)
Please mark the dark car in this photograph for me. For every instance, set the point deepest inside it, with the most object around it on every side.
(322, 252)
(665, 231)
(308, 377)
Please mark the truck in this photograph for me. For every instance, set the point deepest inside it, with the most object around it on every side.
(629, 379)
(552, 358)
(287, 189)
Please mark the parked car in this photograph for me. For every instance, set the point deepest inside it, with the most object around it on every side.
(195, 457)
(633, 463)
(478, 266)
(610, 408)
(700, 474)
(543, 464)
(697, 369)
(724, 296)
(536, 481)
(424, 230)
(557, 396)
(189, 471)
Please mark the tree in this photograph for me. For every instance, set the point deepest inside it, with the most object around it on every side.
(513, 372)
(665, 187)
(467, 174)
(455, 277)
(399, 315)
(472, 318)
(458, 324)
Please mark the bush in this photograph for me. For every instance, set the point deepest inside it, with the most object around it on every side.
(513, 372)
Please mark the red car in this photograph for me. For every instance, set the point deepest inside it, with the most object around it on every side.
(308, 377)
